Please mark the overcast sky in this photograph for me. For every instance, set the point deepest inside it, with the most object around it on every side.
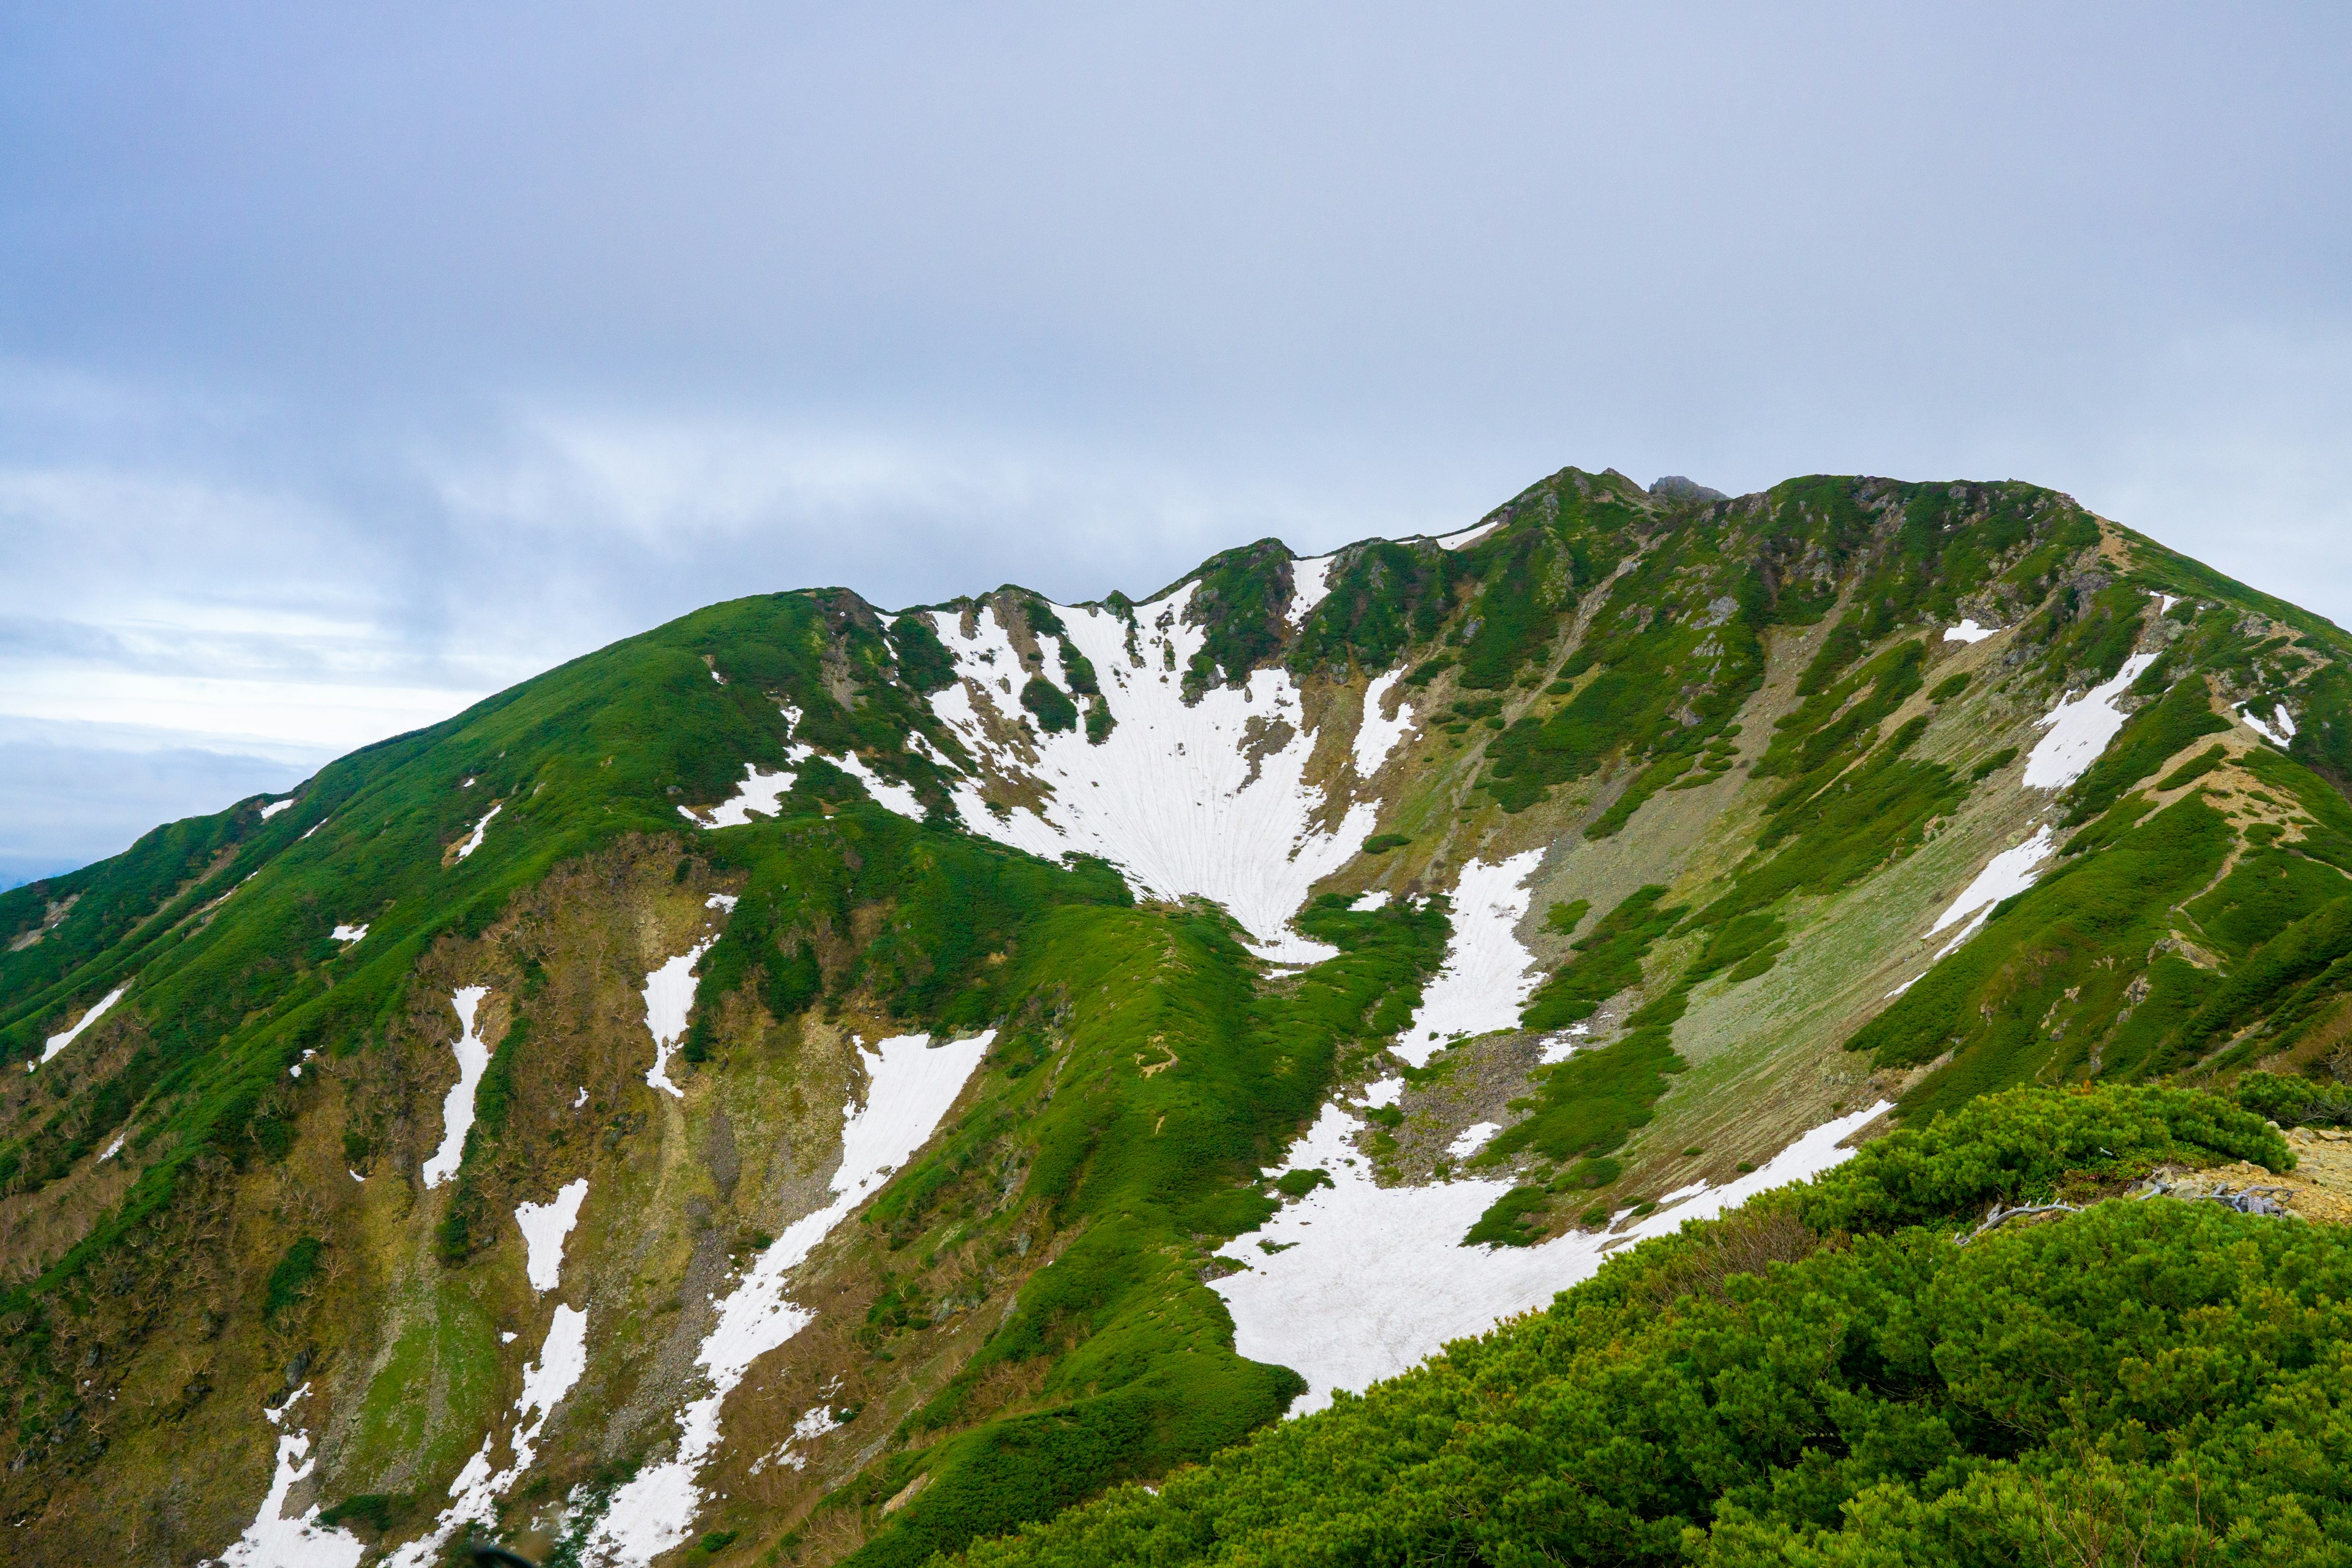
(357, 360)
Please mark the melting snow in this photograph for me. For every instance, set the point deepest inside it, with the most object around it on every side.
(312, 828)
(58, 1042)
(1564, 1045)
(1469, 536)
(1485, 983)
(582, 1099)
(544, 1228)
(2277, 737)
(1170, 796)
(348, 934)
(2080, 729)
(759, 795)
(274, 1541)
(480, 827)
(2164, 603)
(813, 1423)
(457, 1110)
(1374, 1278)
(1376, 736)
(670, 996)
(1968, 631)
(900, 798)
(1310, 580)
(1377, 898)
(274, 807)
(2008, 874)
(721, 901)
(1472, 1139)
(909, 1087)
(111, 1151)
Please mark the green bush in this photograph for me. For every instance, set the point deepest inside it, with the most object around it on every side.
(292, 1277)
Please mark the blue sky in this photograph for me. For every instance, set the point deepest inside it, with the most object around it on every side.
(356, 361)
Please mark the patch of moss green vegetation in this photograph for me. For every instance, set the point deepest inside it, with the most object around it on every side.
(1381, 843)
(2195, 768)
(1505, 1222)
(1607, 960)
(1825, 1377)
(1951, 686)
(2148, 738)
(1176, 1080)
(428, 1407)
(292, 1277)
(1055, 711)
(1992, 764)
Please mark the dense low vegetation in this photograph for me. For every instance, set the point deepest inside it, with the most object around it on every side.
(1829, 1376)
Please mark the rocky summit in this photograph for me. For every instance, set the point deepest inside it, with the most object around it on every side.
(1309, 1066)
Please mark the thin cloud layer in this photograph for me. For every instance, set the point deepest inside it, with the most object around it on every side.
(355, 362)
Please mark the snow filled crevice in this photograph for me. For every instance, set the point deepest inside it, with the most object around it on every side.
(60, 1041)
(1376, 734)
(347, 933)
(2079, 730)
(669, 998)
(2008, 874)
(275, 1541)
(1310, 584)
(1487, 975)
(544, 1228)
(457, 1108)
(2279, 732)
(474, 841)
(910, 1087)
(1207, 800)
(1371, 1279)
(1968, 631)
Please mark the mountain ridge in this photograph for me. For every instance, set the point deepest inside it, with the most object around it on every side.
(1568, 866)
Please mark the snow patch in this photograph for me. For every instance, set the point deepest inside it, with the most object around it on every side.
(726, 901)
(2080, 729)
(1469, 536)
(670, 996)
(2284, 721)
(274, 1541)
(813, 1423)
(2164, 603)
(759, 795)
(2008, 874)
(58, 1042)
(900, 798)
(457, 1110)
(910, 1086)
(1968, 631)
(274, 807)
(1564, 1045)
(1371, 1279)
(1310, 583)
(1472, 1139)
(348, 934)
(1485, 983)
(1376, 736)
(544, 1228)
(1377, 898)
(480, 827)
(1172, 796)
(111, 1151)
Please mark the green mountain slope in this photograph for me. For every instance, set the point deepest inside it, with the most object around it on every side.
(1537, 884)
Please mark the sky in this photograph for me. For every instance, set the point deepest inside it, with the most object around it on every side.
(359, 361)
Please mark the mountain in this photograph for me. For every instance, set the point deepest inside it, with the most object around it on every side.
(816, 1084)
